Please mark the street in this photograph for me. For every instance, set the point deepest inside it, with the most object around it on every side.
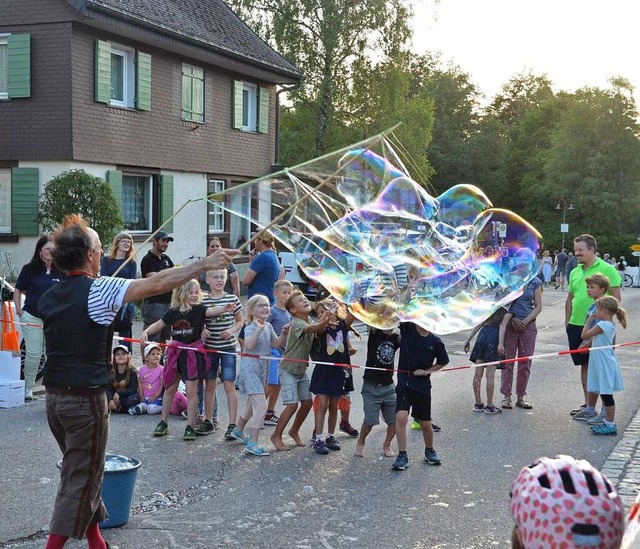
(208, 494)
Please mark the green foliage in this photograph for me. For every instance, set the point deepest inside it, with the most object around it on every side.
(76, 191)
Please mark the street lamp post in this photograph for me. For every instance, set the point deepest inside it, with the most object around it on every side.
(564, 204)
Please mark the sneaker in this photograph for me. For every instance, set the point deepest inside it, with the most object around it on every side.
(491, 409)
(161, 429)
(184, 415)
(230, 428)
(436, 428)
(578, 409)
(255, 449)
(585, 416)
(598, 420)
(431, 457)
(135, 410)
(605, 429)
(216, 423)
(416, 425)
(271, 419)
(346, 427)
(239, 435)
(522, 403)
(28, 394)
(401, 462)
(478, 407)
(506, 404)
(320, 447)
(205, 428)
(189, 433)
(332, 443)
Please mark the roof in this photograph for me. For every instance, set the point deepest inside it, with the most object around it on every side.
(209, 22)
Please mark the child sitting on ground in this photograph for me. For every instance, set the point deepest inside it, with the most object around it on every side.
(122, 392)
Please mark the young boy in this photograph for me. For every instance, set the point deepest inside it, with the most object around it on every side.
(378, 391)
(421, 354)
(278, 318)
(222, 330)
(294, 383)
(597, 287)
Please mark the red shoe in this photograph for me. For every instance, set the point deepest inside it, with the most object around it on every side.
(346, 427)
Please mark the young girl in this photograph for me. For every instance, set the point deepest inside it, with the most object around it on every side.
(150, 386)
(328, 381)
(486, 349)
(604, 376)
(122, 392)
(259, 339)
(185, 319)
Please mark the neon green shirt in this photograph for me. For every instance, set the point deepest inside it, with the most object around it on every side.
(577, 286)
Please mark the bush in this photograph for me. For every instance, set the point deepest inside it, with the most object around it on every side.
(78, 192)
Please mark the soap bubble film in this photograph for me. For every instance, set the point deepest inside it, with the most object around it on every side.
(377, 241)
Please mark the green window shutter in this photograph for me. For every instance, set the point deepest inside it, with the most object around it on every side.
(197, 93)
(143, 81)
(102, 82)
(25, 191)
(187, 102)
(236, 115)
(166, 201)
(263, 111)
(19, 65)
(114, 178)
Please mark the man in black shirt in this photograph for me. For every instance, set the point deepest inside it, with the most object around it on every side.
(378, 390)
(153, 308)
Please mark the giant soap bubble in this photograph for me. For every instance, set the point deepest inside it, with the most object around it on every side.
(377, 241)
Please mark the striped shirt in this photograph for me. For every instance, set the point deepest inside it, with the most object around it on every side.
(218, 324)
(106, 296)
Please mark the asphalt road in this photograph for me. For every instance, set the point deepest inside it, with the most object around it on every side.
(207, 494)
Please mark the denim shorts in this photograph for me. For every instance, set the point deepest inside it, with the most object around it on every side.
(225, 365)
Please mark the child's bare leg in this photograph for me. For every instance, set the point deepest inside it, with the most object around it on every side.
(402, 418)
(364, 431)
(209, 398)
(232, 400)
(427, 433)
(272, 393)
(490, 381)
(477, 381)
(320, 413)
(303, 412)
(386, 445)
(333, 415)
(192, 401)
(167, 399)
(285, 416)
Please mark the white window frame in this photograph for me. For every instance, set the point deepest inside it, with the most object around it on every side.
(149, 208)
(215, 213)
(5, 198)
(249, 107)
(239, 225)
(4, 42)
(128, 76)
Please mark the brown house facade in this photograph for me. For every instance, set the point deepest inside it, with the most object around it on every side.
(166, 101)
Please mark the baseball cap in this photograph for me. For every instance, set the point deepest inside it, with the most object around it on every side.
(121, 348)
(151, 347)
(162, 235)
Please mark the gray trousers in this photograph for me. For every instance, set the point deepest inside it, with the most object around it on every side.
(80, 425)
(152, 312)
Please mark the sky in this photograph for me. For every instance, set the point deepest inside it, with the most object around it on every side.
(575, 43)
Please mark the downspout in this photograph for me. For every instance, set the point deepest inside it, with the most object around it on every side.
(276, 164)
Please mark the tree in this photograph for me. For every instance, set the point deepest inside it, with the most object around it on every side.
(76, 191)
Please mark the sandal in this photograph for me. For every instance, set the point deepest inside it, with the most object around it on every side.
(506, 404)
(255, 449)
(522, 403)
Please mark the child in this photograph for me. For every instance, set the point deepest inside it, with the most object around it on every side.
(122, 392)
(487, 349)
(421, 354)
(604, 376)
(344, 404)
(259, 338)
(327, 380)
(220, 338)
(597, 287)
(294, 383)
(378, 391)
(150, 386)
(185, 320)
(278, 318)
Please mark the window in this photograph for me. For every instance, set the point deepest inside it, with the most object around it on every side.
(215, 213)
(240, 224)
(123, 81)
(5, 200)
(4, 94)
(137, 202)
(250, 107)
(192, 93)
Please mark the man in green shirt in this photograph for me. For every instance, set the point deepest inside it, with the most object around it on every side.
(578, 302)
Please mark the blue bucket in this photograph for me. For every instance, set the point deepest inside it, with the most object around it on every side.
(118, 482)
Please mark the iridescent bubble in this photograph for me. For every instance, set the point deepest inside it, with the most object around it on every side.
(377, 241)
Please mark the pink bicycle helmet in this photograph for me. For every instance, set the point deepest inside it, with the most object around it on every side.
(564, 503)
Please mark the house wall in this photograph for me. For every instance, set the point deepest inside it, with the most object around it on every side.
(159, 138)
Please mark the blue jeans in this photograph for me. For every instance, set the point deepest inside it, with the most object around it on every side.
(227, 365)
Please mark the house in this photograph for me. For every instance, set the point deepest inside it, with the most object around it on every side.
(166, 100)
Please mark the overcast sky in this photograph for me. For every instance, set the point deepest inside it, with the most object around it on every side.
(575, 42)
